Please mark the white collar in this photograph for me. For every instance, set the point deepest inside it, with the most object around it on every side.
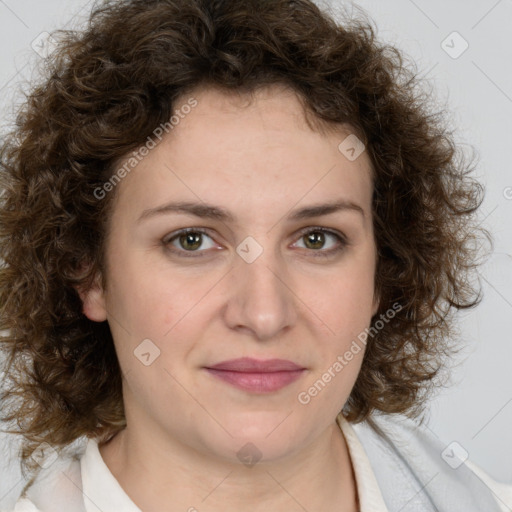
(370, 497)
(100, 488)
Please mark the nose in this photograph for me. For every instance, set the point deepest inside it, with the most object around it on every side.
(261, 300)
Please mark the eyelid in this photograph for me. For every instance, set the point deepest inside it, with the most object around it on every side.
(167, 238)
(342, 239)
(175, 234)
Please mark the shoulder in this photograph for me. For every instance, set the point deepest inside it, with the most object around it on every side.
(25, 505)
(418, 471)
(57, 486)
(502, 491)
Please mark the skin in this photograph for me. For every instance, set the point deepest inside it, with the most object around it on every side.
(260, 161)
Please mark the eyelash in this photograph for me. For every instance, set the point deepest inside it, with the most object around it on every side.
(197, 254)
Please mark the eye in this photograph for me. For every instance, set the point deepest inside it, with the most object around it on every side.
(187, 241)
(315, 240)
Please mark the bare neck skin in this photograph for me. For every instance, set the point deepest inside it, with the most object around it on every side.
(320, 478)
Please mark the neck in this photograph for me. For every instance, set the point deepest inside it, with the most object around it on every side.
(320, 477)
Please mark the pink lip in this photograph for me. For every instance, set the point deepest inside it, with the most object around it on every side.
(247, 364)
(257, 376)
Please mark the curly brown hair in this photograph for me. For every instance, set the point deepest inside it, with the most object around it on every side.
(108, 86)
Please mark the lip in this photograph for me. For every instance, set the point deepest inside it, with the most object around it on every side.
(248, 364)
(256, 375)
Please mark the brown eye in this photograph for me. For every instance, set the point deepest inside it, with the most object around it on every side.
(188, 241)
(317, 238)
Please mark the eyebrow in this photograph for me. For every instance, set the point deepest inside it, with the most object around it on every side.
(208, 211)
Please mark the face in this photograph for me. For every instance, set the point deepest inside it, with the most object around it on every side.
(259, 275)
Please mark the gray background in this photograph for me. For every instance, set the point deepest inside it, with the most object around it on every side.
(476, 410)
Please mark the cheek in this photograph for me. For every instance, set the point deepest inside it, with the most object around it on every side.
(158, 304)
(134, 300)
(346, 304)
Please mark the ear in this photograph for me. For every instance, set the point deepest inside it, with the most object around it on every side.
(93, 301)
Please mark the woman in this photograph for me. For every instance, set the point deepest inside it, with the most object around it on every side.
(234, 238)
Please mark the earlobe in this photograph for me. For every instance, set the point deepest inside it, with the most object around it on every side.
(93, 302)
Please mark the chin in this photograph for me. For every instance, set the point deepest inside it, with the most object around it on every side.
(269, 437)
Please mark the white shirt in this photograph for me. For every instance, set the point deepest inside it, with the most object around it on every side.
(103, 492)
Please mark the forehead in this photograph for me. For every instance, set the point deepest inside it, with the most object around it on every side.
(253, 152)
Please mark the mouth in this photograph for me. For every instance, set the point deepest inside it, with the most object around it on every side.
(255, 375)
